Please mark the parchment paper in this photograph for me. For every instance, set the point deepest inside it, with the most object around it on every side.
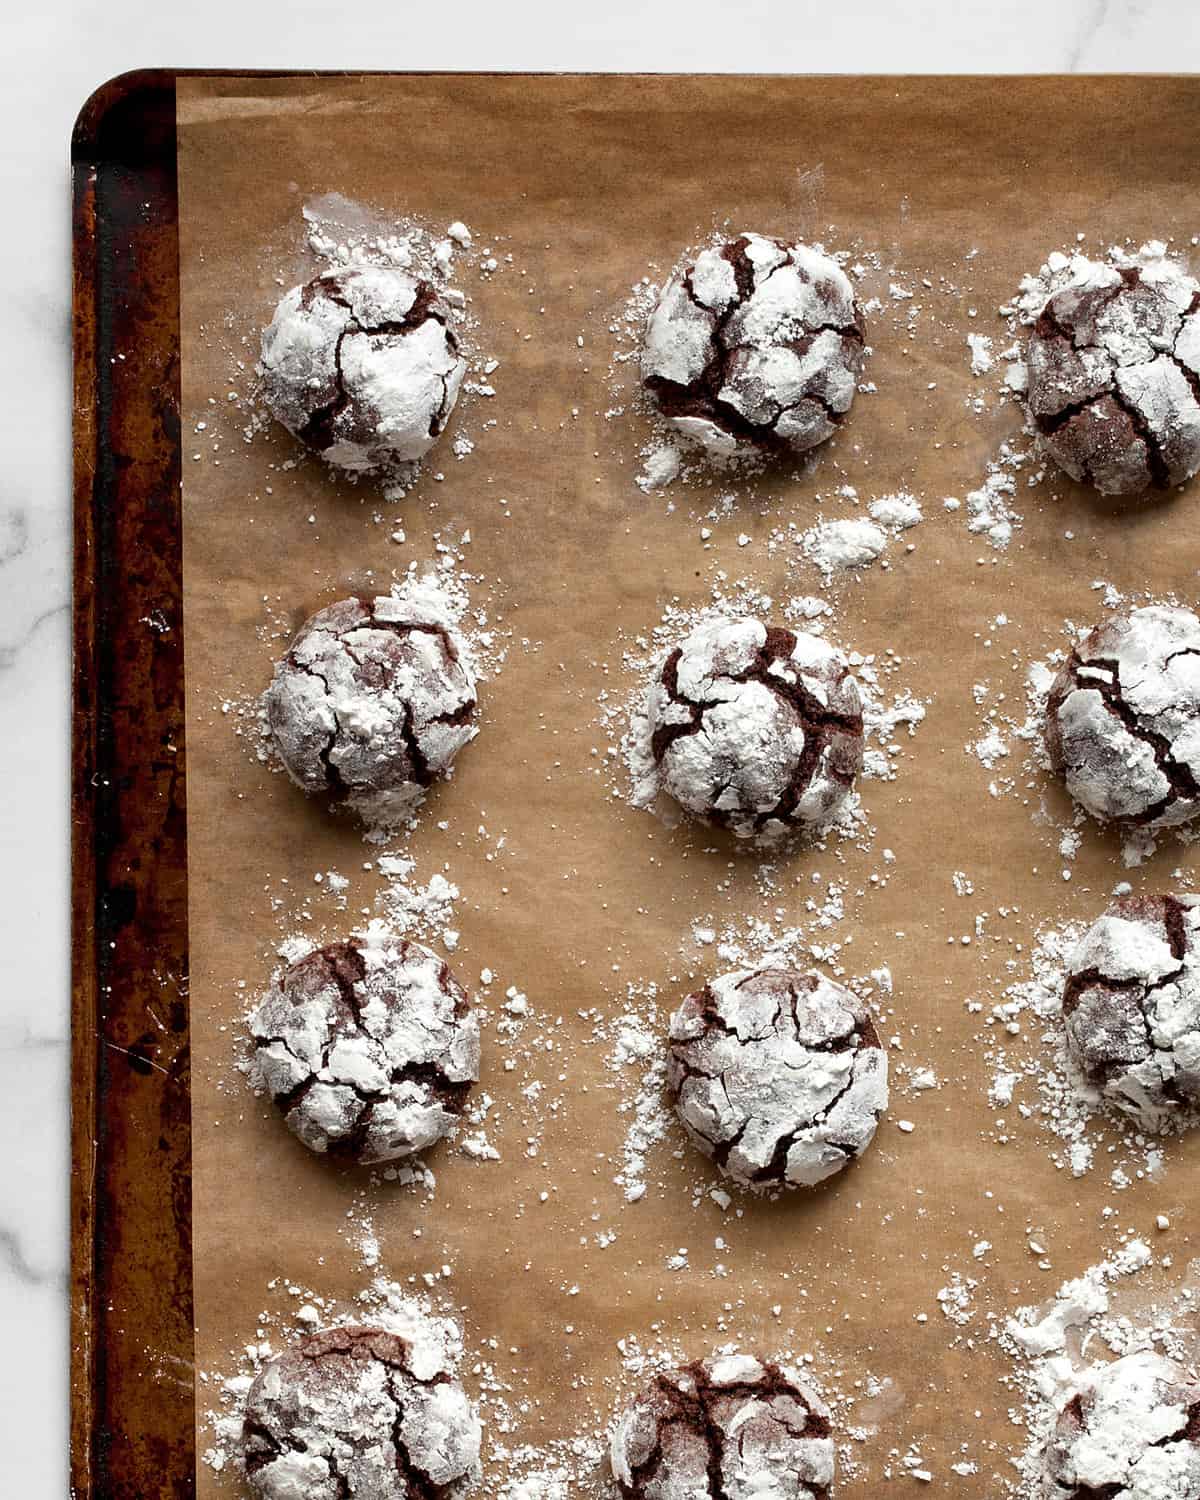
(586, 181)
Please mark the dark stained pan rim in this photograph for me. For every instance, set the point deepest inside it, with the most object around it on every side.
(132, 1347)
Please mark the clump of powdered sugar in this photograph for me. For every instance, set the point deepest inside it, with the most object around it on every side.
(638, 1062)
(840, 546)
(992, 509)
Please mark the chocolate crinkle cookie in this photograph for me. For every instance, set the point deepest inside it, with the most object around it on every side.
(1129, 1430)
(729, 1428)
(368, 1048)
(777, 1075)
(755, 728)
(371, 704)
(356, 1413)
(755, 348)
(1131, 1005)
(1123, 719)
(362, 366)
(1114, 377)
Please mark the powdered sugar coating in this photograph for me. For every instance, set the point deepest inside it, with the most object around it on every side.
(728, 1428)
(368, 1047)
(362, 366)
(357, 1412)
(756, 346)
(372, 702)
(1131, 1006)
(1114, 376)
(777, 1075)
(1129, 1430)
(1123, 719)
(755, 728)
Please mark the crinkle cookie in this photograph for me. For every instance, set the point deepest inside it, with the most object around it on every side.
(755, 348)
(1114, 377)
(729, 1428)
(362, 366)
(1131, 1005)
(777, 1075)
(1123, 719)
(1130, 1430)
(371, 704)
(357, 1413)
(368, 1048)
(755, 728)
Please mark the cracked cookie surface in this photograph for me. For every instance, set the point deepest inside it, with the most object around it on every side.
(729, 1428)
(1123, 719)
(1130, 1430)
(755, 728)
(362, 366)
(1131, 1006)
(777, 1075)
(368, 1048)
(756, 347)
(371, 704)
(357, 1413)
(1114, 377)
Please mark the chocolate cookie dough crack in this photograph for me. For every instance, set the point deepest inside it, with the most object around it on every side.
(704, 1433)
(1115, 404)
(776, 1168)
(1182, 781)
(1159, 787)
(1051, 424)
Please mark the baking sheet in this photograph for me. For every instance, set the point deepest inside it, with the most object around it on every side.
(586, 181)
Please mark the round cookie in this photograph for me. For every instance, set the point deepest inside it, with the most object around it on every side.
(1114, 377)
(1123, 719)
(371, 704)
(362, 366)
(1131, 1006)
(755, 348)
(777, 1075)
(368, 1048)
(729, 1428)
(1130, 1430)
(755, 728)
(357, 1413)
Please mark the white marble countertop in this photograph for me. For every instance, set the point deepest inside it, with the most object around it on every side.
(55, 56)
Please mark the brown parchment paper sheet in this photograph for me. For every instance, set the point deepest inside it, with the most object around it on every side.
(586, 181)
